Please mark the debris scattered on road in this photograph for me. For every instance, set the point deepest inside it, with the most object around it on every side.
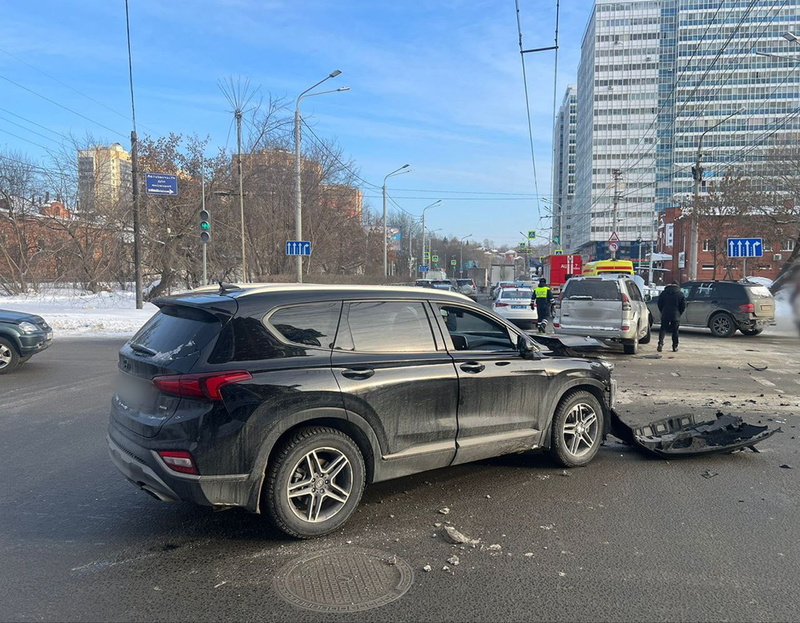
(458, 538)
(445, 568)
(653, 356)
(548, 526)
(426, 568)
(488, 497)
(453, 560)
(221, 583)
(528, 554)
(444, 511)
(675, 373)
(437, 524)
(683, 436)
(565, 473)
(495, 547)
(709, 474)
(786, 466)
(392, 561)
(757, 368)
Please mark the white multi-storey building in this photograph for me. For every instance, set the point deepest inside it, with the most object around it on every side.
(657, 77)
(564, 168)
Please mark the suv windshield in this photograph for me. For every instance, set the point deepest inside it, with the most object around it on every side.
(597, 289)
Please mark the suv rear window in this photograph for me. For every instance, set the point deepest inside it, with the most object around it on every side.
(596, 289)
(759, 292)
(176, 332)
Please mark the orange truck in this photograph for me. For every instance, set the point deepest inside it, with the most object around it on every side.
(558, 268)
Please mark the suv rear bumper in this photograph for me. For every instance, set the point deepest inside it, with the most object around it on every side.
(139, 473)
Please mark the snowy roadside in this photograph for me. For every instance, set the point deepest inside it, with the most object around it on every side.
(113, 314)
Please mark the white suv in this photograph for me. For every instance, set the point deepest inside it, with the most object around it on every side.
(610, 308)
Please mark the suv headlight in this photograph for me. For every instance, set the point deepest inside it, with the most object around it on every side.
(28, 327)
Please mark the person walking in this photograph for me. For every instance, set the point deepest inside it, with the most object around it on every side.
(542, 302)
(671, 304)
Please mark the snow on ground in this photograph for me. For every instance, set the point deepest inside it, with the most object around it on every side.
(72, 313)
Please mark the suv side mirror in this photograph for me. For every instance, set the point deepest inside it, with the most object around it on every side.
(647, 298)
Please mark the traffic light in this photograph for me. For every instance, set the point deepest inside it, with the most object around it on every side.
(205, 226)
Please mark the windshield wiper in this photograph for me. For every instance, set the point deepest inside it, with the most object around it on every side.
(142, 349)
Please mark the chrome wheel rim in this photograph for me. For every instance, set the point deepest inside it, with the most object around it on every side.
(580, 430)
(5, 355)
(320, 485)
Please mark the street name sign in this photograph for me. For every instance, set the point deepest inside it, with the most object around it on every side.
(423, 268)
(298, 247)
(161, 184)
(745, 247)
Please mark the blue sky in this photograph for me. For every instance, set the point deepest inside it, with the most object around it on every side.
(433, 83)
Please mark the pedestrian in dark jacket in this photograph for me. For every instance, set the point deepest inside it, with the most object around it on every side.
(671, 304)
(542, 300)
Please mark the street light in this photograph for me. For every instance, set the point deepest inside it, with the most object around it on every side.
(461, 260)
(298, 199)
(385, 229)
(433, 205)
(790, 36)
(697, 173)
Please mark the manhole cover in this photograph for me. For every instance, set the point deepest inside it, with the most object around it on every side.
(344, 580)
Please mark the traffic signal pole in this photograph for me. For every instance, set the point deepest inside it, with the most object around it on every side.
(203, 211)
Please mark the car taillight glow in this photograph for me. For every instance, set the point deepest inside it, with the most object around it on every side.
(626, 302)
(626, 327)
(179, 461)
(556, 325)
(749, 308)
(203, 386)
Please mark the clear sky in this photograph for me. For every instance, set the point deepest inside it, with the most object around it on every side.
(433, 83)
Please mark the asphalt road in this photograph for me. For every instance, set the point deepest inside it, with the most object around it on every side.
(625, 539)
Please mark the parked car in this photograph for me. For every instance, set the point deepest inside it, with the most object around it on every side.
(21, 337)
(610, 308)
(468, 288)
(724, 307)
(286, 399)
(501, 284)
(514, 304)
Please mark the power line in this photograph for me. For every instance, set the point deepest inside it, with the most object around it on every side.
(19, 125)
(24, 139)
(527, 105)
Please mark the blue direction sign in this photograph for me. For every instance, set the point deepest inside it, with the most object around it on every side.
(423, 268)
(160, 184)
(745, 247)
(298, 247)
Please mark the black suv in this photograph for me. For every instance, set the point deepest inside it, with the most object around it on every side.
(286, 399)
(724, 307)
(21, 337)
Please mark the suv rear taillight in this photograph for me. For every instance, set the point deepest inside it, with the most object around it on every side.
(200, 385)
(748, 308)
(626, 302)
(179, 461)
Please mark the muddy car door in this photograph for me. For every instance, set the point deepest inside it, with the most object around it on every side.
(393, 372)
(500, 393)
(700, 302)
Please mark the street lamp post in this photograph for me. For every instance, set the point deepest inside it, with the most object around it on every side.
(697, 174)
(559, 242)
(298, 199)
(461, 259)
(385, 229)
(433, 205)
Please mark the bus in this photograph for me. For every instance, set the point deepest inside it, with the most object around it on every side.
(604, 267)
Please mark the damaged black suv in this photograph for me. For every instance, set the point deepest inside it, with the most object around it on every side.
(286, 399)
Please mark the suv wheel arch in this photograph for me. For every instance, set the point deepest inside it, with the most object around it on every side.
(580, 385)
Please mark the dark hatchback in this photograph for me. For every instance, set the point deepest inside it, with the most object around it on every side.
(287, 399)
(22, 335)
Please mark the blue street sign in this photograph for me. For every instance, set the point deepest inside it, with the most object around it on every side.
(160, 184)
(423, 268)
(745, 247)
(298, 247)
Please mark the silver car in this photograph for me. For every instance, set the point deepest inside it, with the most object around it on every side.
(609, 308)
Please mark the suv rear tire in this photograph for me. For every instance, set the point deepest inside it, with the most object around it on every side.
(722, 325)
(314, 483)
(647, 336)
(577, 429)
(9, 357)
(632, 347)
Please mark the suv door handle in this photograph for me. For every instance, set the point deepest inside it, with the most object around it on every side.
(473, 366)
(358, 374)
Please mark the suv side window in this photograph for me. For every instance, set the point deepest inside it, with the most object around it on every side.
(386, 327)
(703, 291)
(472, 331)
(311, 324)
(633, 290)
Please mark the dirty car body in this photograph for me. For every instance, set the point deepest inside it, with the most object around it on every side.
(288, 399)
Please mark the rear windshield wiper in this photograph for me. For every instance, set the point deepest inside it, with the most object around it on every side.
(142, 349)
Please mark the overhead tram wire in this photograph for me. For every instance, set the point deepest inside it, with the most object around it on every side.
(39, 125)
(47, 149)
(89, 119)
(19, 125)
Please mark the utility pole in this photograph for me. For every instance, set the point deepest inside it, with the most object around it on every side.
(238, 114)
(137, 230)
(617, 174)
(697, 174)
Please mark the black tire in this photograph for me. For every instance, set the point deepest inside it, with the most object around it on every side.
(647, 336)
(722, 325)
(9, 357)
(751, 332)
(577, 429)
(631, 347)
(326, 501)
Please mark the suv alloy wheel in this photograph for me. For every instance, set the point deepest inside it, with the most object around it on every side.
(577, 429)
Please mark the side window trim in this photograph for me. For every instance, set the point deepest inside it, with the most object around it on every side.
(266, 321)
(510, 334)
(344, 326)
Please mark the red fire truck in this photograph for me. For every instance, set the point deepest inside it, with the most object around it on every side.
(558, 268)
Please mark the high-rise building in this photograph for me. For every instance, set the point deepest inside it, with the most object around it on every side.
(104, 176)
(660, 81)
(564, 168)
